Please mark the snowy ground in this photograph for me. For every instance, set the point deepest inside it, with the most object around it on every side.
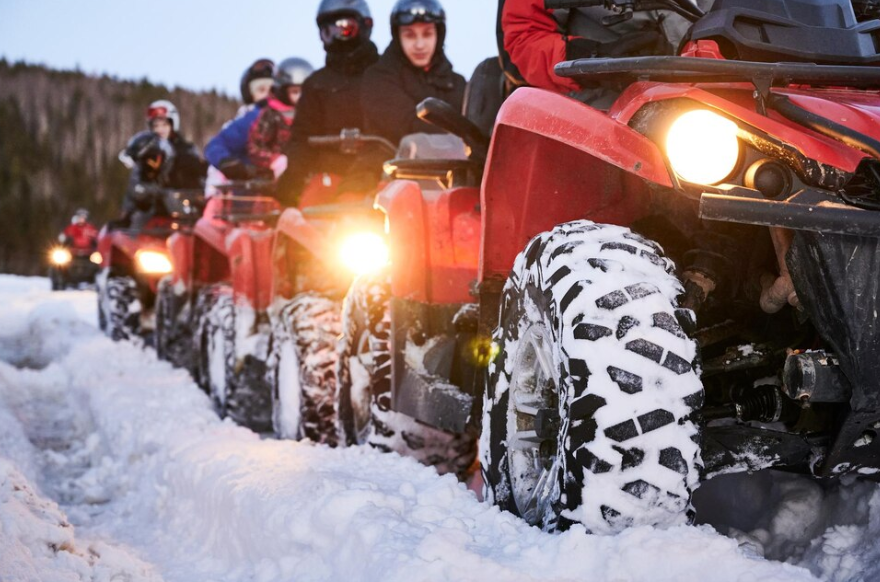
(114, 467)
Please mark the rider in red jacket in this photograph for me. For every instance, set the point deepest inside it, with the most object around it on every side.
(534, 39)
(80, 235)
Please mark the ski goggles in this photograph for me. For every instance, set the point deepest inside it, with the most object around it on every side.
(262, 69)
(419, 13)
(157, 113)
(340, 29)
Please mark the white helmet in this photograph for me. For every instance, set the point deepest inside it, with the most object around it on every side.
(164, 109)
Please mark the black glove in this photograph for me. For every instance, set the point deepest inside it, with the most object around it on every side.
(629, 45)
(648, 42)
(234, 169)
(237, 170)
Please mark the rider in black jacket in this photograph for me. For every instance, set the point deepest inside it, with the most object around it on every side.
(413, 68)
(331, 100)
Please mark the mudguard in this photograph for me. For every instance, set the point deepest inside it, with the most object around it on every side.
(434, 237)
(607, 165)
(180, 248)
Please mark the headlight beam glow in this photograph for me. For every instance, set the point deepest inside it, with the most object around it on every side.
(152, 262)
(703, 147)
(364, 253)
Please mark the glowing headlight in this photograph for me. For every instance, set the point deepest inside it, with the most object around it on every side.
(96, 258)
(152, 262)
(702, 147)
(60, 256)
(364, 253)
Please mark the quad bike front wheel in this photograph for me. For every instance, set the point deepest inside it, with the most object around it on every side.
(119, 307)
(173, 337)
(588, 415)
(304, 356)
(364, 388)
(213, 342)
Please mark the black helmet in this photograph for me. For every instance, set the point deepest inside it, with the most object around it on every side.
(292, 71)
(407, 12)
(344, 23)
(334, 8)
(260, 69)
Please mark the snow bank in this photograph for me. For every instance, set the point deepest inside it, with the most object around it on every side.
(137, 457)
(38, 543)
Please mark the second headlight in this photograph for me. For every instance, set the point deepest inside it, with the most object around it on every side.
(152, 262)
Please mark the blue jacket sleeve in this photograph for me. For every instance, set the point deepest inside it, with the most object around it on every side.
(232, 141)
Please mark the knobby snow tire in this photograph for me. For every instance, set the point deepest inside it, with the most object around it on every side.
(366, 325)
(304, 361)
(625, 443)
(119, 308)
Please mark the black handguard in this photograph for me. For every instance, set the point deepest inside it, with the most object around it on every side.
(632, 44)
(234, 169)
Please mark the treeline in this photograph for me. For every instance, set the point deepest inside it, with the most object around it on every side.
(60, 134)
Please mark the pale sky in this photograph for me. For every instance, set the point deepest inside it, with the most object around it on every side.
(203, 44)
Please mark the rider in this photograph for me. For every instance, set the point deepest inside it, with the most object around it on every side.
(80, 234)
(161, 157)
(271, 131)
(331, 98)
(533, 39)
(256, 84)
(413, 68)
(227, 152)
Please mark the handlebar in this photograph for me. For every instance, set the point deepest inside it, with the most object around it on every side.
(351, 141)
(625, 8)
(254, 185)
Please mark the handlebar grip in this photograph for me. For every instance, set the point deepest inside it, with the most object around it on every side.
(565, 4)
(325, 140)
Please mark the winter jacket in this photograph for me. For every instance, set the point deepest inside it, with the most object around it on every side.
(330, 102)
(393, 87)
(232, 141)
(184, 168)
(270, 133)
(536, 39)
(80, 237)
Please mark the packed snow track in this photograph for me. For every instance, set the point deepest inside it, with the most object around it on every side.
(114, 466)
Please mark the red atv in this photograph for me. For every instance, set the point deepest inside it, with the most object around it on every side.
(212, 309)
(334, 235)
(133, 257)
(679, 287)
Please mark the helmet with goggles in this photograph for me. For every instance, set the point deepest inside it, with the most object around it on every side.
(260, 71)
(163, 109)
(407, 12)
(344, 21)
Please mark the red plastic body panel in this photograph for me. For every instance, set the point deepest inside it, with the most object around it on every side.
(852, 108)
(238, 253)
(293, 224)
(552, 160)
(180, 248)
(250, 260)
(118, 249)
(435, 238)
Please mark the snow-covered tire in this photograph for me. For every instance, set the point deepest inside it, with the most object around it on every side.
(214, 342)
(589, 412)
(119, 308)
(304, 360)
(364, 387)
(174, 341)
(56, 277)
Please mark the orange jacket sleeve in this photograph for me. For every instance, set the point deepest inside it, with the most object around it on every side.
(534, 43)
